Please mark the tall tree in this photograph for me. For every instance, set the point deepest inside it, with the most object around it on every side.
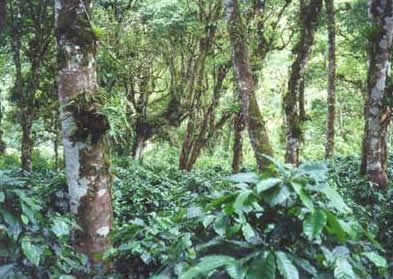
(30, 28)
(246, 85)
(308, 17)
(87, 163)
(377, 114)
(331, 98)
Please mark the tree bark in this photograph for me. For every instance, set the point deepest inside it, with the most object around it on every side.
(237, 159)
(309, 13)
(87, 162)
(377, 113)
(27, 141)
(2, 143)
(246, 85)
(331, 98)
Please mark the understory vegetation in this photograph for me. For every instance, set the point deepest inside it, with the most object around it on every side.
(320, 220)
(196, 139)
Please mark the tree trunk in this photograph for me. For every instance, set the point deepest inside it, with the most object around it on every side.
(309, 13)
(27, 141)
(237, 159)
(138, 146)
(374, 149)
(2, 143)
(246, 86)
(331, 98)
(87, 162)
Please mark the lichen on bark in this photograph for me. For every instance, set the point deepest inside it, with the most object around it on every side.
(87, 164)
(380, 44)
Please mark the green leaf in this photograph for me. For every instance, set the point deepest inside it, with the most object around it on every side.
(248, 232)
(2, 196)
(248, 177)
(266, 184)
(343, 270)
(333, 227)
(305, 265)
(314, 223)
(60, 227)
(207, 264)
(32, 251)
(277, 195)
(208, 220)
(14, 228)
(236, 271)
(316, 170)
(24, 219)
(67, 277)
(376, 259)
(335, 199)
(302, 195)
(263, 267)
(5, 270)
(29, 212)
(285, 266)
(240, 200)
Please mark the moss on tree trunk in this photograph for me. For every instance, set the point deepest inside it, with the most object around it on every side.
(87, 163)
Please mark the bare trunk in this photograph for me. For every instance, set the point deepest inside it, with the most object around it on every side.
(137, 147)
(309, 13)
(246, 86)
(56, 150)
(331, 98)
(381, 13)
(237, 158)
(27, 142)
(87, 163)
(2, 143)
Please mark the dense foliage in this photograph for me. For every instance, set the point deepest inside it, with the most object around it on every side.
(147, 139)
(291, 223)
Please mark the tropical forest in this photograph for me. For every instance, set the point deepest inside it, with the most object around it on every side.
(192, 139)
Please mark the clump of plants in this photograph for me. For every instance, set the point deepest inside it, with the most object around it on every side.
(287, 224)
(34, 238)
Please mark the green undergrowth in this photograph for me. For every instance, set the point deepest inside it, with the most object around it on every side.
(321, 220)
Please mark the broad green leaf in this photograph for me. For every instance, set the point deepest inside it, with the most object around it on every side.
(343, 270)
(60, 227)
(29, 212)
(66, 277)
(316, 170)
(305, 265)
(207, 264)
(351, 228)
(285, 266)
(240, 200)
(248, 177)
(32, 252)
(333, 227)
(302, 195)
(262, 267)
(314, 223)
(266, 184)
(276, 195)
(6, 270)
(14, 228)
(248, 232)
(376, 259)
(329, 258)
(335, 199)
(236, 271)
(24, 219)
(208, 220)
(2, 196)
